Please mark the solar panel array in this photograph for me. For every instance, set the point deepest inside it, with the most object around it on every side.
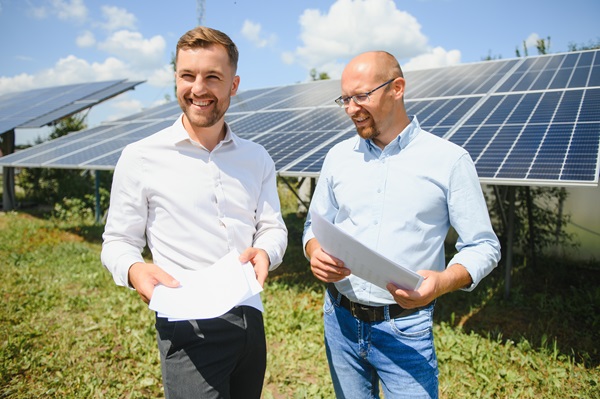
(526, 121)
(40, 107)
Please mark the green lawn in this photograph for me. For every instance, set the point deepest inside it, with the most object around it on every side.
(66, 331)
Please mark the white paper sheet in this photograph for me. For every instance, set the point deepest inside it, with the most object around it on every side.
(361, 260)
(207, 293)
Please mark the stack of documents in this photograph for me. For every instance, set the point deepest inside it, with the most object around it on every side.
(208, 293)
(361, 260)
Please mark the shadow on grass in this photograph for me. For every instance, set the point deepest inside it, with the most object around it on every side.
(555, 307)
(91, 233)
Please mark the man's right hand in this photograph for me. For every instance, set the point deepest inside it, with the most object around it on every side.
(145, 276)
(325, 267)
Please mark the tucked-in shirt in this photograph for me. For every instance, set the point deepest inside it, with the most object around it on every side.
(401, 202)
(190, 205)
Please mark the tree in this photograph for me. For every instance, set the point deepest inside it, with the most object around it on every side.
(314, 75)
(590, 46)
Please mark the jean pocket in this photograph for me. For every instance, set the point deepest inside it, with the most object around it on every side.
(417, 325)
(328, 306)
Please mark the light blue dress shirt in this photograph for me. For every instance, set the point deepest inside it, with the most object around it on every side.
(401, 202)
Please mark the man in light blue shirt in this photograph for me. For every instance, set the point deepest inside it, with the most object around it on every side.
(397, 189)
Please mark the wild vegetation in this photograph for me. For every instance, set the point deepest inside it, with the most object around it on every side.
(66, 331)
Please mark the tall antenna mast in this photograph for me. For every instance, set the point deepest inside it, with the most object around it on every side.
(200, 11)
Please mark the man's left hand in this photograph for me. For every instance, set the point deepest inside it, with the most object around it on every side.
(434, 285)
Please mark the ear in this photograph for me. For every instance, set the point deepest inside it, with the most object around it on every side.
(235, 85)
(399, 86)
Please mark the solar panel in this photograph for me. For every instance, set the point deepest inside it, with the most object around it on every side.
(40, 107)
(526, 121)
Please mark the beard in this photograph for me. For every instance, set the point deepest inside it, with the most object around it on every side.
(369, 131)
(204, 118)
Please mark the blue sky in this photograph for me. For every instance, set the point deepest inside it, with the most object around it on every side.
(55, 42)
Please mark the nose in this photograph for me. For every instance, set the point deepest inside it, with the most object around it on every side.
(198, 87)
(352, 107)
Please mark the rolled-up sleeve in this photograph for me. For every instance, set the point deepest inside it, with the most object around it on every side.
(478, 246)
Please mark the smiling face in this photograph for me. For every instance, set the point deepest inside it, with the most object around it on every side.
(205, 82)
(383, 117)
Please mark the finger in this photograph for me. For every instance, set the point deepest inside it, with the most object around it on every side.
(164, 278)
(397, 292)
(247, 255)
(329, 259)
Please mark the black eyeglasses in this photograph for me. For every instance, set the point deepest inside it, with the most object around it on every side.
(359, 99)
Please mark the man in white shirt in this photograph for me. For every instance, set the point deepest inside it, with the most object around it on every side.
(194, 192)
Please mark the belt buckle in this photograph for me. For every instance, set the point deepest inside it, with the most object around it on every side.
(360, 311)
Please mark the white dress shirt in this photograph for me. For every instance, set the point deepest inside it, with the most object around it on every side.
(190, 205)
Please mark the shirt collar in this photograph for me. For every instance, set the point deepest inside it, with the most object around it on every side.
(399, 143)
(180, 134)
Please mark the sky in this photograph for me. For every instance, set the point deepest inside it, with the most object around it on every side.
(56, 42)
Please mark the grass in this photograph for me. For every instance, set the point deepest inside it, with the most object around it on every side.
(66, 331)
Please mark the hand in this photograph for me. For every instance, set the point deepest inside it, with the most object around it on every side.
(259, 260)
(325, 267)
(426, 293)
(145, 276)
(434, 285)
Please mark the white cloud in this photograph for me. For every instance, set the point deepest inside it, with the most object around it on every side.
(127, 55)
(38, 12)
(288, 57)
(68, 70)
(437, 57)
(65, 10)
(118, 18)
(25, 58)
(86, 39)
(124, 107)
(253, 32)
(142, 53)
(531, 41)
(19, 82)
(351, 27)
(162, 77)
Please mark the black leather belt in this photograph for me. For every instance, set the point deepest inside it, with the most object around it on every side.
(369, 313)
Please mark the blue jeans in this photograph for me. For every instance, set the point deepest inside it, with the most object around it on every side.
(398, 353)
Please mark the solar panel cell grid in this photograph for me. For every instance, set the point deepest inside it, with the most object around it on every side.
(533, 119)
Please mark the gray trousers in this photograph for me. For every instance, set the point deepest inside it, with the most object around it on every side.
(220, 358)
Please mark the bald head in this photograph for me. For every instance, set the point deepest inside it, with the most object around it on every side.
(373, 65)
